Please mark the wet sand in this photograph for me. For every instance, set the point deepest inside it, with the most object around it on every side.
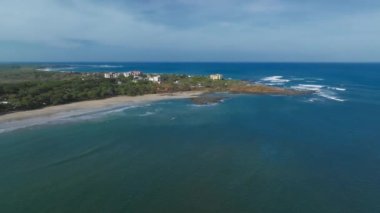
(94, 105)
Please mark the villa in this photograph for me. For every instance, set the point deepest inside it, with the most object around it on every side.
(111, 75)
(216, 77)
(107, 75)
(125, 74)
(154, 78)
(135, 73)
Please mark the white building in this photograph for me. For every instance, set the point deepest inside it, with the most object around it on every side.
(136, 73)
(112, 75)
(155, 78)
(127, 74)
(216, 77)
(107, 75)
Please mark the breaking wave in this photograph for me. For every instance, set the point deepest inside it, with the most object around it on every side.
(65, 117)
(309, 87)
(77, 67)
(321, 90)
(337, 88)
(56, 69)
(330, 95)
(274, 80)
(105, 66)
(147, 114)
(205, 105)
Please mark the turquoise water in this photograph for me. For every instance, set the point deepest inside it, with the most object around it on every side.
(317, 153)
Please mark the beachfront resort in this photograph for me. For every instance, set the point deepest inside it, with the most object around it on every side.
(135, 74)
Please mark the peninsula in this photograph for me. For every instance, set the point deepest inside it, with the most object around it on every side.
(24, 88)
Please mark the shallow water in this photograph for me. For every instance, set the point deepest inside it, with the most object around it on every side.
(247, 154)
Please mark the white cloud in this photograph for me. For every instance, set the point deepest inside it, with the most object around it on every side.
(212, 30)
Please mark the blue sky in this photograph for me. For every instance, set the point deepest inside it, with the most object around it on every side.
(190, 30)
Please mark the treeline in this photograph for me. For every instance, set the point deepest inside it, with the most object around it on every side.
(38, 94)
(175, 82)
(17, 73)
(25, 90)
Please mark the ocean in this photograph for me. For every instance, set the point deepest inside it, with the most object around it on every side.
(249, 153)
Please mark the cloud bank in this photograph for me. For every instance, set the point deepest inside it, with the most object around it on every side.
(184, 30)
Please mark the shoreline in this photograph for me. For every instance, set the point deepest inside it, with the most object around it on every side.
(94, 105)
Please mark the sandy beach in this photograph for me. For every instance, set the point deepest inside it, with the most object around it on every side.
(14, 119)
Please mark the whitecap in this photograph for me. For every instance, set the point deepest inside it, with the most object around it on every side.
(275, 79)
(105, 66)
(273, 84)
(51, 69)
(320, 90)
(147, 114)
(329, 95)
(311, 100)
(45, 69)
(337, 88)
(121, 109)
(64, 117)
(205, 105)
(310, 87)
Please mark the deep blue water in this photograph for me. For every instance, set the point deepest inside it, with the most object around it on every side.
(316, 153)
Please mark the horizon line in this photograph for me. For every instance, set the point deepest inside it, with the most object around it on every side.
(200, 62)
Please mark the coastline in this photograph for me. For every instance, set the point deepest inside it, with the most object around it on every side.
(78, 108)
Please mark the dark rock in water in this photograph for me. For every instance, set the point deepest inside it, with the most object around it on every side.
(207, 99)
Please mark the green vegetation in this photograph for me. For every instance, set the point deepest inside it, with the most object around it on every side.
(25, 73)
(25, 88)
(174, 83)
(38, 94)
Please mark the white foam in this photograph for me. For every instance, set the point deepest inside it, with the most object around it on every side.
(45, 69)
(320, 90)
(310, 87)
(71, 116)
(337, 88)
(275, 79)
(147, 114)
(106, 66)
(311, 100)
(51, 69)
(121, 109)
(329, 95)
(205, 105)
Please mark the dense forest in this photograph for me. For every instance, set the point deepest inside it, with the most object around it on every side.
(26, 88)
(36, 94)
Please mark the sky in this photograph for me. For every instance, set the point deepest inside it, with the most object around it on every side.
(190, 30)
